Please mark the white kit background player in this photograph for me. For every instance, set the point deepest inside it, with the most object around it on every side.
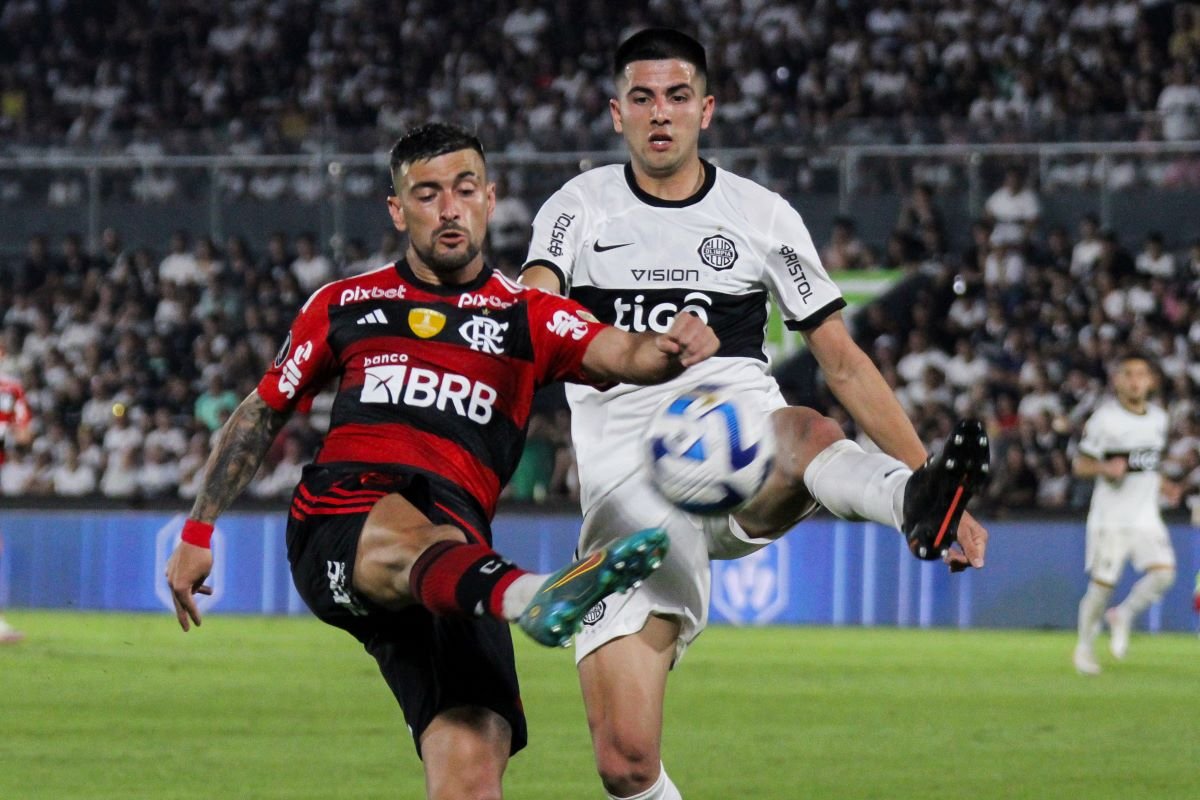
(1121, 447)
(670, 233)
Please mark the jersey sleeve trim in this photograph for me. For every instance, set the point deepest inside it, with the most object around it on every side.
(817, 317)
(550, 265)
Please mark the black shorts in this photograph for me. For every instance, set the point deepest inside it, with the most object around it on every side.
(431, 663)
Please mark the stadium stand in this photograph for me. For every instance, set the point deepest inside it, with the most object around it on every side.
(131, 355)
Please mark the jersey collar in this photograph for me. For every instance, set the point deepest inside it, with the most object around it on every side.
(407, 275)
(710, 179)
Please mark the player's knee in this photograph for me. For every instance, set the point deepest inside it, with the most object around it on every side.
(1164, 578)
(800, 434)
(627, 765)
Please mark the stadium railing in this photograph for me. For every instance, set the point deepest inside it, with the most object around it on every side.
(336, 195)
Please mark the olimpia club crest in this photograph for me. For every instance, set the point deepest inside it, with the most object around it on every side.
(718, 252)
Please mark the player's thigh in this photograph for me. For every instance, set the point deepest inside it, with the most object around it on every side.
(394, 534)
(677, 590)
(1107, 550)
(1152, 549)
(624, 684)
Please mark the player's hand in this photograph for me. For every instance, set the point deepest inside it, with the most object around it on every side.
(187, 569)
(689, 339)
(1172, 492)
(1114, 468)
(972, 545)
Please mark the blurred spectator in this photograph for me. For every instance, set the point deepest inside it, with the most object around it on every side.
(310, 267)
(919, 212)
(389, 250)
(1154, 259)
(158, 475)
(72, 478)
(1014, 209)
(1179, 105)
(120, 479)
(280, 480)
(1088, 249)
(16, 472)
(845, 250)
(179, 265)
(215, 402)
(508, 230)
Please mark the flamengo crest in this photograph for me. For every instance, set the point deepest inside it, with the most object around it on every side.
(484, 334)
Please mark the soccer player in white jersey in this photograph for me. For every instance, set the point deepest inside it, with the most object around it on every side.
(670, 233)
(1122, 444)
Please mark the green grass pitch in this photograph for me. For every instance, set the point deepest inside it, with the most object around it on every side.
(125, 706)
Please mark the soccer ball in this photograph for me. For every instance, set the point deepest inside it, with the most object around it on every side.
(708, 450)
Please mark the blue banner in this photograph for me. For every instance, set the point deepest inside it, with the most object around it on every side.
(825, 572)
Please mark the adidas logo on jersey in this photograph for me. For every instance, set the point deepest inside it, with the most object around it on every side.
(376, 317)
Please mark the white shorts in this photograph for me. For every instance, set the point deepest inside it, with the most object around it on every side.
(680, 588)
(1109, 547)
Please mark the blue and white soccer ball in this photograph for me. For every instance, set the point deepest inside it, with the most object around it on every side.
(708, 450)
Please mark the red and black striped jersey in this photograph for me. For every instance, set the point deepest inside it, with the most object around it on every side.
(14, 410)
(436, 378)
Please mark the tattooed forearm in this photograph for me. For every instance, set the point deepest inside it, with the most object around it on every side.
(243, 442)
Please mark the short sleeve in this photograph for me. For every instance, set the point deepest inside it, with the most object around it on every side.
(1092, 443)
(561, 331)
(304, 363)
(558, 234)
(805, 292)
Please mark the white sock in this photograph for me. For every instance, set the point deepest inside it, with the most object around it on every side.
(854, 484)
(1147, 591)
(1091, 608)
(519, 593)
(663, 789)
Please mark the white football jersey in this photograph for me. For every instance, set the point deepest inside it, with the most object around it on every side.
(1112, 430)
(635, 261)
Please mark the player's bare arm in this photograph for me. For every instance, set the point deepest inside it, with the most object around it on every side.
(644, 358)
(243, 442)
(241, 447)
(1113, 469)
(858, 385)
(541, 277)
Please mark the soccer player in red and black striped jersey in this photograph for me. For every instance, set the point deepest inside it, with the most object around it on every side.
(435, 359)
(15, 419)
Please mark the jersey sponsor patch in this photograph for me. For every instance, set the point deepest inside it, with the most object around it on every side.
(291, 375)
(566, 325)
(417, 387)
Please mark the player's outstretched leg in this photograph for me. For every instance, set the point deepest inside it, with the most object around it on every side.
(556, 611)
(938, 492)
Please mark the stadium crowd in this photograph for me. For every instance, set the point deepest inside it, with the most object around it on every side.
(132, 356)
(287, 76)
(132, 359)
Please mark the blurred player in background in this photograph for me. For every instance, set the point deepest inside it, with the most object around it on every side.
(15, 419)
(1122, 445)
(436, 358)
(639, 245)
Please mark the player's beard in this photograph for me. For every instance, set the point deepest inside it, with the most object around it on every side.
(447, 263)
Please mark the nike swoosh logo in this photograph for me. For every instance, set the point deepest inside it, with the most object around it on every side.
(600, 248)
